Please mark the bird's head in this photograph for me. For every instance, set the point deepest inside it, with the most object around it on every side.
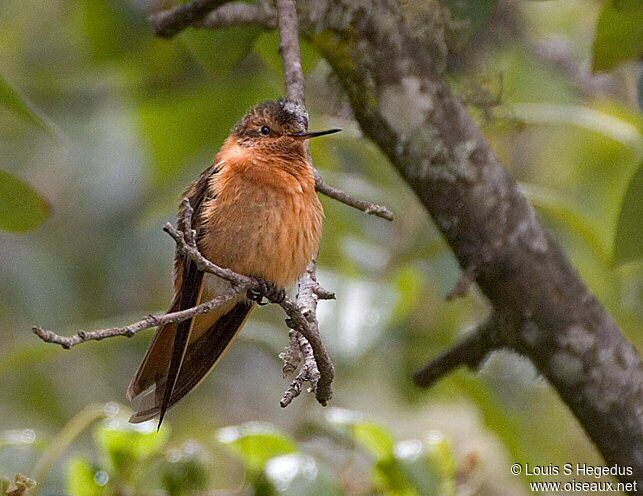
(276, 123)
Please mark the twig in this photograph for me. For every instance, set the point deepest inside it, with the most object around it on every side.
(470, 351)
(317, 369)
(342, 196)
(132, 329)
(289, 49)
(463, 284)
(292, 356)
(308, 372)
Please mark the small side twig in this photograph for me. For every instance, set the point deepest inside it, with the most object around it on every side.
(308, 372)
(343, 197)
(471, 351)
(463, 284)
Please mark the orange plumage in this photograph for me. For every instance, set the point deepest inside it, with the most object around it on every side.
(257, 213)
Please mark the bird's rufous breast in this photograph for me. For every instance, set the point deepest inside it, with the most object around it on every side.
(263, 219)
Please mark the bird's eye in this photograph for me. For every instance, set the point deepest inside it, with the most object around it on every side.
(265, 130)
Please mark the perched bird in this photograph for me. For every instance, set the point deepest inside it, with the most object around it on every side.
(256, 212)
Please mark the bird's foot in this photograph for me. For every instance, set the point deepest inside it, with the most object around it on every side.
(268, 290)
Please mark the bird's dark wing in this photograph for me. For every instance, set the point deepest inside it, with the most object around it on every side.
(154, 370)
(190, 292)
(201, 356)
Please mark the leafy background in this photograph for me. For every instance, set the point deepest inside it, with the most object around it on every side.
(102, 126)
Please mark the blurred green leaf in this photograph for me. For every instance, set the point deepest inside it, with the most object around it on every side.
(628, 241)
(619, 34)
(12, 100)
(220, 50)
(375, 438)
(256, 443)
(125, 444)
(300, 474)
(84, 479)
(185, 470)
(605, 121)
(389, 476)
(110, 29)
(21, 207)
(556, 206)
(407, 468)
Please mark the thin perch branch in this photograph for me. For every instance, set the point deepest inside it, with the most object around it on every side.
(132, 329)
(298, 313)
(317, 367)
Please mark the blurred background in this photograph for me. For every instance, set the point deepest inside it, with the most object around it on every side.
(102, 126)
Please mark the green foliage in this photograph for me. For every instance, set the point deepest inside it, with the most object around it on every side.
(124, 450)
(404, 468)
(628, 243)
(219, 51)
(108, 28)
(619, 34)
(136, 459)
(125, 445)
(13, 101)
(21, 207)
(86, 479)
(144, 116)
(256, 443)
(184, 470)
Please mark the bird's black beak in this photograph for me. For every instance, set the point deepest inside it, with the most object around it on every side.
(314, 134)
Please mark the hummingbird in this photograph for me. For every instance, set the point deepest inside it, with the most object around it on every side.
(256, 212)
